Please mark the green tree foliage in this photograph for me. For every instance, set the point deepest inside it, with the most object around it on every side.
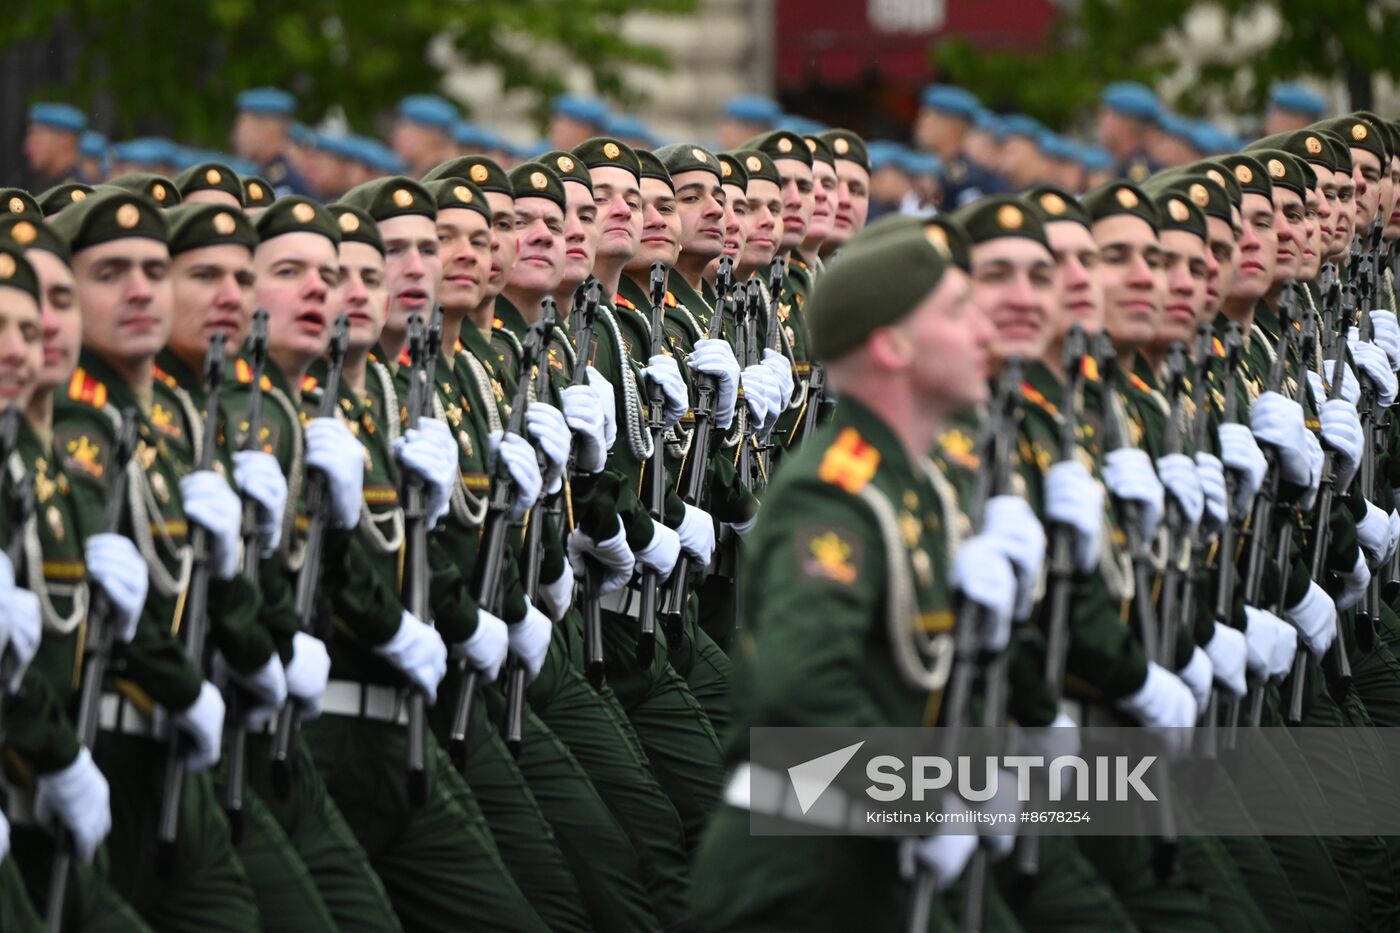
(176, 65)
(1098, 41)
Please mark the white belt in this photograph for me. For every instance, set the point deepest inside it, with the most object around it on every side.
(368, 701)
(626, 602)
(120, 715)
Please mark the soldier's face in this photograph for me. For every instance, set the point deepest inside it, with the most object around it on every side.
(363, 293)
(1325, 191)
(947, 344)
(502, 242)
(1366, 175)
(213, 289)
(1184, 262)
(1392, 218)
(21, 346)
(580, 233)
(661, 226)
(701, 205)
(1288, 227)
(761, 231)
(736, 216)
(539, 234)
(1344, 219)
(852, 201)
(124, 293)
(412, 268)
(1080, 295)
(1223, 254)
(618, 197)
(59, 316)
(1013, 282)
(297, 277)
(464, 245)
(823, 203)
(1312, 246)
(1258, 244)
(798, 201)
(1130, 271)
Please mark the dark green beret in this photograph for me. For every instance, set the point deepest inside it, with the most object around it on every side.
(1380, 130)
(257, 192)
(106, 215)
(954, 237)
(781, 144)
(296, 214)
(1220, 173)
(1253, 178)
(156, 187)
(1201, 190)
(821, 152)
(209, 176)
(847, 146)
(537, 180)
(30, 232)
(61, 196)
(1357, 134)
(358, 227)
(687, 157)
(759, 166)
(603, 151)
(1341, 152)
(395, 196)
(1120, 197)
(1305, 144)
(16, 272)
(1285, 170)
(1176, 212)
(1001, 215)
(484, 172)
(652, 167)
(18, 201)
(195, 226)
(1056, 204)
(458, 194)
(568, 168)
(732, 171)
(883, 274)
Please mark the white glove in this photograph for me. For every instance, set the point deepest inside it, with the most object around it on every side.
(4, 836)
(332, 449)
(1210, 472)
(661, 554)
(1129, 476)
(1387, 335)
(1178, 475)
(1371, 362)
(716, 358)
(983, 575)
(583, 413)
(1057, 740)
(1165, 702)
(522, 467)
(1354, 584)
(943, 857)
(1312, 449)
(259, 477)
(1072, 498)
(307, 673)
(697, 534)
(1341, 430)
(1240, 452)
(781, 367)
(486, 649)
(1198, 674)
(613, 556)
(1228, 653)
(1278, 421)
(1010, 523)
(529, 641)
(1315, 618)
(1393, 539)
(202, 722)
(1373, 534)
(421, 452)
(211, 504)
(1351, 389)
(21, 629)
(416, 649)
(78, 797)
(1261, 629)
(662, 370)
(557, 596)
(743, 528)
(546, 425)
(114, 564)
(761, 395)
(265, 688)
(1285, 648)
(608, 400)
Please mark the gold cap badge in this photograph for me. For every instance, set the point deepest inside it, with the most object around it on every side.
(1126, 198)
(611, 150)
(349, 223)
(725, 169)
(158, 191)
(23, 233)
(1215, 176)
(700, 155)
(565, 164)
(1243, 173)
(841, 146)
(255, 191)
(7, 265)
(76, 195)
(1052, 203)
(213, 177)
(1199, 195)
(223, 224)
(1009, 217)
(754, 163)
(403, 197)
(480, 173)
(1177, 210)
(462, 193)
(304, 213)
(16, 206)
(1313, 145)
(939, 238)
(1276, 168)
(1358, 132)
(127, 216)
(538, 181)
(784, 144)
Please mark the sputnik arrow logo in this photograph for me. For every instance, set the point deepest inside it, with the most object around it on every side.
(810, 779)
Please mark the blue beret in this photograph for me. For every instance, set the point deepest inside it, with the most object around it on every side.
(466, 133)
(1131, 99)
(588, 110)
(624, 127)
(429, 110)
(949, 99)
(301, 134)
(58, 116)
(921, 163)
(1174, 124)
(988, 122)
(1018, 124)
(1058, 147)
(381, 157)
(750, 108)
(1297, 99)
(244, 167)
(802, 126)
(1095, 158)
(147, 150)
(341, 146)
(1209, 139)
(536, 149)
(883, 153)
(93, 145)
(272, 101)
(183, 157)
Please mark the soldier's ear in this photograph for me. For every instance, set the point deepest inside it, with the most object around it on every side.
(889, 349)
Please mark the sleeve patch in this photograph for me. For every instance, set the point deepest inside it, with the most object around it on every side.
(829, 554)
(850, 462)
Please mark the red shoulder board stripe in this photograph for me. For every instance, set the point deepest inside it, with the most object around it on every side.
(1031, 394)
(1090, 368)
(308, 383)
(623, 303)
(497, 324)
(405, 358)
(84, 388)
(1219, 346)
(671, 301)
(1138, 384)
(164, 377)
